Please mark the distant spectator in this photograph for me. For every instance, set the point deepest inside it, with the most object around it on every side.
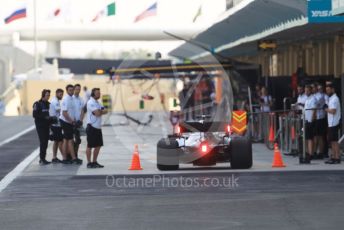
(187, 101)
(265, 100)
(258, 89)
(256, 98)
(207, 89)
(314, 88)
(87, 94)
(257, 117)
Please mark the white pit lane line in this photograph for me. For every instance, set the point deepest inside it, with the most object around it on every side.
(18, 170)
(22, 165)
(17, 135)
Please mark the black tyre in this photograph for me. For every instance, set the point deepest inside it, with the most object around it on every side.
(168, 153)
(240, 153)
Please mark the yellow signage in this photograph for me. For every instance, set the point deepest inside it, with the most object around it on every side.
(267, 45)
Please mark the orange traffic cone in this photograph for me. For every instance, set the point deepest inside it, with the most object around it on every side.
(271, 134)
(293, 133)
(277, 161)
(135, 161)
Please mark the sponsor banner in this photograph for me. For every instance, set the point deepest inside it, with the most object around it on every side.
(320, 11)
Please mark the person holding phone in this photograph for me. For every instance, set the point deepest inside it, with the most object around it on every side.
(95, 111)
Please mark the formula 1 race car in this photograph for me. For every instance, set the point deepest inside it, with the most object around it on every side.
(202, 133)
(203, 143)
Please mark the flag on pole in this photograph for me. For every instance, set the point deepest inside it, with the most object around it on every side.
(199, 13)
(109, 10)
(17, 14)
(57, 12)
(151, 11)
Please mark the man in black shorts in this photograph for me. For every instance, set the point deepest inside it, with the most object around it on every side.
(95, 111)
(56, 130)
(320, 122)
(67, 123)
(310, 115)
(333, 119)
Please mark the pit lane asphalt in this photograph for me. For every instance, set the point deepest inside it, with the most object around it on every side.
(12, 153)
(259, 200)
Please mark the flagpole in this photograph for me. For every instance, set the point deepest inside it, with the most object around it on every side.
(35, 34)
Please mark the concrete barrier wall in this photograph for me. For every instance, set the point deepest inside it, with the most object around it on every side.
(31, 92)
(12, 61)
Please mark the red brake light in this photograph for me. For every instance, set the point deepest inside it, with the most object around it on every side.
(204, 147)
(229, 129)
(178, 129)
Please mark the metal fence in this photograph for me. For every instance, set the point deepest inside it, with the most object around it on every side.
(282, 127)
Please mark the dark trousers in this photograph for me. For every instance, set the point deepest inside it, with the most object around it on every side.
(189, 112)
(43, 136)
(77, 141)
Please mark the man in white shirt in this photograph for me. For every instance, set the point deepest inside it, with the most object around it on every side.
(95, 111)
(310, 115)
(78, 116)
(67, 119)
(56, 130)
(333, 119)
(320, 123)
(265, 101)
(301, 99)
(87, 95)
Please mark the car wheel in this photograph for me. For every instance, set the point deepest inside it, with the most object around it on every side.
(240, 153)
(168, 153)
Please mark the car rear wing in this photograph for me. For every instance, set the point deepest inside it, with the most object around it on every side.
(191, 127)
(238, 125)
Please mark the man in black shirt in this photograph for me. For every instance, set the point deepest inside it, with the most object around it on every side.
(42, 123)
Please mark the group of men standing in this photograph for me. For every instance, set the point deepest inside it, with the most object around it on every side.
(322, 118)
(61, 121)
